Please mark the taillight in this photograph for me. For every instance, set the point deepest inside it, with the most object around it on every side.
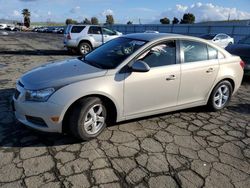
(242, 64)
(68, 36)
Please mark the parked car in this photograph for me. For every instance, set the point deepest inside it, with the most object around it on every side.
(151, 31)
(242, 49)
(129, 77)
(55, 30)
(3, 26)
(10, 28)
(85, 38)
(222, 40)
(60, 31)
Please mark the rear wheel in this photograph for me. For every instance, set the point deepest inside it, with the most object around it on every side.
(84, 48)
(220, 96)
(88, 118)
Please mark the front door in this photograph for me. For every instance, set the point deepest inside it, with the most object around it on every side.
(108, 34)
(96, 33)
(156, 89)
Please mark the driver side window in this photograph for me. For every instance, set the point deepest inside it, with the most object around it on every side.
(106, 31)
(160, 55)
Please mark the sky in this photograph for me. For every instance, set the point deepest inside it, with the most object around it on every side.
(147, 11)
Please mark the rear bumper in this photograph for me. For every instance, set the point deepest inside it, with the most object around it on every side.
(70, 43)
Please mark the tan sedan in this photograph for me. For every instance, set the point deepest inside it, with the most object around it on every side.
(129, 77)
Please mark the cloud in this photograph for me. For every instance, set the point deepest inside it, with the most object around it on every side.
(205, 12)
(181, 8)
(75, 9)
(107, 12)
(16, 13)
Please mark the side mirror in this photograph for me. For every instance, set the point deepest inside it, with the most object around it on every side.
(215, 39)
(140, 66)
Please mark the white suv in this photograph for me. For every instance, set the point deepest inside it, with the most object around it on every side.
(84, 38)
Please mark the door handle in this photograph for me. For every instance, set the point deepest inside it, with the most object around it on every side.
(171, 77)
(210, 70)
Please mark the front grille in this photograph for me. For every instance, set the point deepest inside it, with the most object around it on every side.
(36, 120)
(16, 94)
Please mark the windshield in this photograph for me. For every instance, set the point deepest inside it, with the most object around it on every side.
(208, 37)
(113, 53)
(245, 41)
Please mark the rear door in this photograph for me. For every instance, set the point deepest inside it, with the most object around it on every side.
(199, 69)
(95, 33)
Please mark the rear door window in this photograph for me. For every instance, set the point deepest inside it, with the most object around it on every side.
(77, 29)
(212, 52)
(194, 51)
(107, 31)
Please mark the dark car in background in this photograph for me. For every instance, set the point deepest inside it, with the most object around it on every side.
(242, 49)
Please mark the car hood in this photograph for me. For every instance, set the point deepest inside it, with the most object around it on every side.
(58, 74)
(239, 49)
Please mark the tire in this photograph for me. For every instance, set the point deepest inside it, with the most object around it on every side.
(220, 96)
(84, 48)
(88, 118)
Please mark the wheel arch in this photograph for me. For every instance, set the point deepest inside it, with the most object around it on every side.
(109, 103)
(221, 80)
(85, 40)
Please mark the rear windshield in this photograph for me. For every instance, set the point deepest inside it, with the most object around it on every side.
(77, 29)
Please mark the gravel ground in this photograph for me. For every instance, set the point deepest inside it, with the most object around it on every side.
(189, 148)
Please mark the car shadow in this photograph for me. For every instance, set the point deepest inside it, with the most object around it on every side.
(240, 108)
(35, 52)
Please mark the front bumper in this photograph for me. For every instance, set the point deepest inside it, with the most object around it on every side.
(37, 110)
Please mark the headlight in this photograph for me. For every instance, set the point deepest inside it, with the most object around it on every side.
(39, 95)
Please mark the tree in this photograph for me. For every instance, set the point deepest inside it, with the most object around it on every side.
(175, 21)
(110, 19)
(129, 23)
(94, 21)
(188, 18)
(26, 17)
(86, 21)
(70, 21)
(165, 21)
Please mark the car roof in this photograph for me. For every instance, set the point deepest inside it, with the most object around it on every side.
(150, 36)
(83, 25)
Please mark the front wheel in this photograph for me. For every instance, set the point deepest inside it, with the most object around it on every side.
(220, 96)
(88, 118)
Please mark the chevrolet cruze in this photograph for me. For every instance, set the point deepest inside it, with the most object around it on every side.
(129, 77)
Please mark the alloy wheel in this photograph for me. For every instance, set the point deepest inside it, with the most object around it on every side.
(94, 119)
(221, 96)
